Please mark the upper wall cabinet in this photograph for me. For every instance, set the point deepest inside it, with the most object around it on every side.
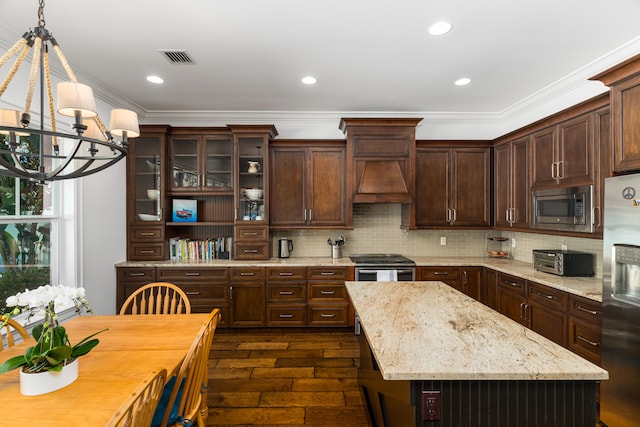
(453, 186)
(624, 80)
(512, 191)
(563, 154)
(308, 185)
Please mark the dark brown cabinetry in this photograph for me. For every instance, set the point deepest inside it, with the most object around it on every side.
(286, 296)
(471, 281)
(462, 177)
(512, 189)
(467, 280)
(308, 185)
(130, 279)
(327, 296)
(624, 81)
(247, 296)
(585, 328)
(545, 312)
(511, 297)
(490, 288)
(563, 154)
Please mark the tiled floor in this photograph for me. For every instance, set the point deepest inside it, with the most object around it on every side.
(285, 378)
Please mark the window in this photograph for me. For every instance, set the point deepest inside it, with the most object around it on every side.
(29, 230)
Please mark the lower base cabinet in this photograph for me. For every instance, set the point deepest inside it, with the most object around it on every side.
(246, 297)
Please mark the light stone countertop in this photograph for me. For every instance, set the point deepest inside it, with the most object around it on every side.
(588, 287)
(429, 331)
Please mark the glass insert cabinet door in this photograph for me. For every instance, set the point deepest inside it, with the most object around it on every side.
(148, 179)
(184, 163)
(251, 183)
(201, 163)
(218, 172)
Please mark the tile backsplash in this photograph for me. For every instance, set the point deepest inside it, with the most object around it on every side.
(376, 229)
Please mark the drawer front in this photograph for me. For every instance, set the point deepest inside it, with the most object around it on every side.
(440, 273)
(328, 315)
(139, 251)
(247, 274)
(286, 293)
(588, 310)
(284, 273)
(252, 251)
(512, 283)
(252, 234)
(206, 293)
(585, 340)
(137, 274)
(294, 315)
(547, 296)
(328, 273)
(327, 292)
(187, 274)
(147, 234)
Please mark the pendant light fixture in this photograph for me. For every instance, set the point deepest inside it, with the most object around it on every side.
(43, 153)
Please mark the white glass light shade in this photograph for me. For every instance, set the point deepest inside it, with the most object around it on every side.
(74, 97)
(11, 118)
(124, 121)
(93, 131)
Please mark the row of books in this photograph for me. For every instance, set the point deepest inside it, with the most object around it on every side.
(188, 249)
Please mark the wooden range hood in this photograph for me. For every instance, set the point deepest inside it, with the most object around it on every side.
(380, 159)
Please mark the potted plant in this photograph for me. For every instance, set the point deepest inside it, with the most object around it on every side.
(52, 353)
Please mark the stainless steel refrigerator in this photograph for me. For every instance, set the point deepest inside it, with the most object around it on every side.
(620, 395)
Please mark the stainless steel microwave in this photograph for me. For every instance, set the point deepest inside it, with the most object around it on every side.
(564, 209)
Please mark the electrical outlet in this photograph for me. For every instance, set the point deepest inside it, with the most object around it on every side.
(430, 405)
(563, 247)
(513, 243)
(443, 241)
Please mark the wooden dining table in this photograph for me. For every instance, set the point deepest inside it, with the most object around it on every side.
(130, 348)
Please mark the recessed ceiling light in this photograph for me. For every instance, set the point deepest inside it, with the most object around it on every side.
(439, 28)
(155, 79)
(309, 80)
(462, 82)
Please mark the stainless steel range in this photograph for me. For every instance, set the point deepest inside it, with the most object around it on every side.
(382, 268)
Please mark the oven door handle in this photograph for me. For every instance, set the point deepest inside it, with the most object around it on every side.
(361, 271)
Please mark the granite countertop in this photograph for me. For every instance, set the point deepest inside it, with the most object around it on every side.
(588, 287)
(429, 331)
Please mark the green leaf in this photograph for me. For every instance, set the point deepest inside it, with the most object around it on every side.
(58, 354)
(37, 332)
(84, 348)
(59, 336)
(13, 363)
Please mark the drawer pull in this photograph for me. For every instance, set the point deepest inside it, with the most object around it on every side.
(586, 310)
(286, 316)
(328, 273)
(247, 274)
(286, 292)
(327, 292)
(441, 273)
(136, 274)
(286, 273)
(192, 293)
(250, 251)
(583, 339)
(514, 284)
(545, 295)
(147, 251)
(328, 316)
(147, 233)
(192, 274)
(250, 234)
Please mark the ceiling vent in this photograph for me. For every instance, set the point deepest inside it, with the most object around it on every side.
(177, 56)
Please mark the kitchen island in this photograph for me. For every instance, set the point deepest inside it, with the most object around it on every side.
(431, 356)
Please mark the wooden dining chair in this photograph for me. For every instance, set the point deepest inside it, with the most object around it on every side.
(8, 332)
(192, 376)
(157, 298)
(138, 409)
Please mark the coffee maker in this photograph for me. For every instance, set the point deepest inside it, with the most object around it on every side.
(285, 247)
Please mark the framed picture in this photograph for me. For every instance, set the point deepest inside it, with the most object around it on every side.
(185, 210)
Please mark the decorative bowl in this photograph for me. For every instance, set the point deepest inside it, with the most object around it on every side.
(148, 217)
(153, 194)
(254, 193)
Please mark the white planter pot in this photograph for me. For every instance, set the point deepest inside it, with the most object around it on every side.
(33, 384)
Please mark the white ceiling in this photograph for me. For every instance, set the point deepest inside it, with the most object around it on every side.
(369, 56)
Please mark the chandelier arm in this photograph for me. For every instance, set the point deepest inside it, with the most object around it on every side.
(12, 51)
(52, 113)
(33, 76)
(19, 171)
(65, 63)
(14, 69)
(92, 171)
